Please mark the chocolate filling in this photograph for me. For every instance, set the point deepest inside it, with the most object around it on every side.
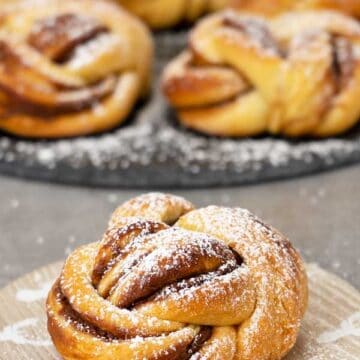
(175, 353)
(30, 92)
(115, 242)
(27, 91)
(190, 282)
(255, 29)
(56, 37)
(76, 321)
(343, 64)
(203, 336)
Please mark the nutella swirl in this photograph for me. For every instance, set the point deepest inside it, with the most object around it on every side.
(295, 75)
(70, 68)
(218, 282)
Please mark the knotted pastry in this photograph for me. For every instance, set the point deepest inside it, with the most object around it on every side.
(170, 282)
(162, 13)
(273, 7)
(295, 75)
(70, 68)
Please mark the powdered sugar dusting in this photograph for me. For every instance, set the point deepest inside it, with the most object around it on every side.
(16, 333)
(32, 295)
(145, 282)
(348, 327)
(274, 266)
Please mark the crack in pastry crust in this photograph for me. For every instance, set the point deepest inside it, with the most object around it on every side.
(70, 68)
(295, 75)
(170, 282)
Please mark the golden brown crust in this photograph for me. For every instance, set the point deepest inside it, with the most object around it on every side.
(243, 75)
(158, 14)
(275, 7)
(159, 207)
(70, 68)
(217, 284)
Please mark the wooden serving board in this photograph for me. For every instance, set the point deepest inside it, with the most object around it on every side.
(331, 328)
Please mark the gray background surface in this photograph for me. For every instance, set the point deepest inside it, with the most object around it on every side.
(42, 223)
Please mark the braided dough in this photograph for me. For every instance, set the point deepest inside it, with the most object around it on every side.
(165, 13)
(242, 75)
(218, 284)
(70, 68)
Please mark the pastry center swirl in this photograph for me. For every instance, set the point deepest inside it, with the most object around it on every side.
(144, 266)
(48, 72)
(145, 262)
(209, 286)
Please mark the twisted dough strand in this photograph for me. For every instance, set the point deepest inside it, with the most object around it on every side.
(296, 75)
(217, 284)
(70, 68)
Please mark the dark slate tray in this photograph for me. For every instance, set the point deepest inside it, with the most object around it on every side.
(151, 149)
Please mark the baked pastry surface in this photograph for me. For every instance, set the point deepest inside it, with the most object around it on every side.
(273, 7)
(164, 13)
(170, 282)
(70, 68)
(295, 75)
